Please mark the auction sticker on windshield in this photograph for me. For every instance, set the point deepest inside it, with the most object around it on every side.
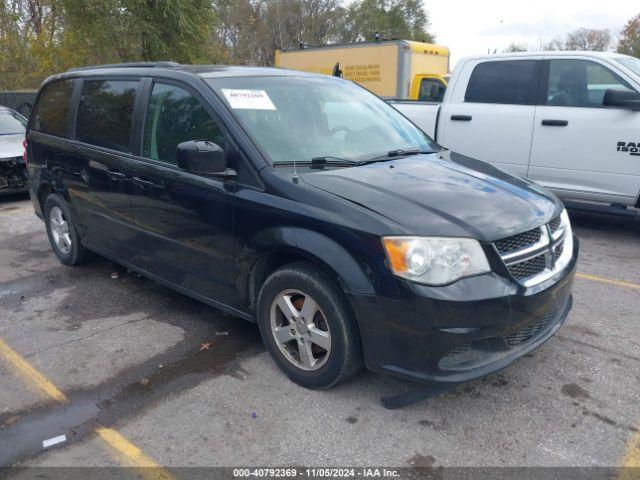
(248, 99)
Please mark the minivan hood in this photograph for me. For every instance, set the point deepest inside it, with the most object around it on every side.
(11, 145)
(444, 194)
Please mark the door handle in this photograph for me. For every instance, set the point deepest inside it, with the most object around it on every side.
(144, 184)
(461, 118)
(116, 175)
(555, 123)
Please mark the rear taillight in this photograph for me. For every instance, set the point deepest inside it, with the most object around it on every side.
(24, 154)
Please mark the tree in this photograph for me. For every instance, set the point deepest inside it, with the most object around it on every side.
(398, 19)
(582, 39)
(516, 47)
(29, 32)
(555, 44)
(589, 39)
(629, 41)
(42, 37)
(251, 30)
(172, 29)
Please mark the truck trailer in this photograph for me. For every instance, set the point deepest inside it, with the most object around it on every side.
(392, 69)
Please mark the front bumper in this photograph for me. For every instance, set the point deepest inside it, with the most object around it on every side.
(466, 330)
(13, 176)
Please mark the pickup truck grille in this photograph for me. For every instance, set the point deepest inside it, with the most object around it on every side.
(537, 254)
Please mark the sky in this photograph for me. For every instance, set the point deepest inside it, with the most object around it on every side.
(474, 27)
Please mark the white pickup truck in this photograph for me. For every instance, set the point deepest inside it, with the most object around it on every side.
(567, 120)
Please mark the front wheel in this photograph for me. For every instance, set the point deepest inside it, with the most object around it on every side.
(308, 328)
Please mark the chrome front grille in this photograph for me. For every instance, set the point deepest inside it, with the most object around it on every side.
(529, 267)
(537, 254)
(517, 242)
(557, 251)
(554, 224)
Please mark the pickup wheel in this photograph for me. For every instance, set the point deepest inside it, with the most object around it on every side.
(308, 328)
(62, 233)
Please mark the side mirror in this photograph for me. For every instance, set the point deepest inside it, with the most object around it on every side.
(621, 99)
(202, 156)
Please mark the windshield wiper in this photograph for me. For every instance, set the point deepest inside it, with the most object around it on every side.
(395, 153)
(320, 162)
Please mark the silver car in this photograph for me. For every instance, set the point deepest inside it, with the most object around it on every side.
(13, 171)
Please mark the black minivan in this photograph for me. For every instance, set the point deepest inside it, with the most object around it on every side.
(308, 205)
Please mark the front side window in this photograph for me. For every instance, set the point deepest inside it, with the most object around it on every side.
(580, 83)
(52, 110)
(175, 116)
(296, 119)
(11, 123)
(512, 82)
(105, 113)
(431, 90)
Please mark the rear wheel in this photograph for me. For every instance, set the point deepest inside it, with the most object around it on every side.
(308, 328)
(62, 233)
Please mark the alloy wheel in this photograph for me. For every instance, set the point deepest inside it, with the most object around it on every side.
(60, 230)
(300, 329)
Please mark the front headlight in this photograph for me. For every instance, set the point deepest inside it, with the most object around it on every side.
(435, 260)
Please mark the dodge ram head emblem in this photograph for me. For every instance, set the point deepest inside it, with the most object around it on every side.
(632, 147)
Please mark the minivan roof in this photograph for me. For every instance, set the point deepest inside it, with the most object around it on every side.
(204, 71)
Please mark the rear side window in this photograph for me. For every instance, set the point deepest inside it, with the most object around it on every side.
(52, 110)
(510, 82)
(105, 113)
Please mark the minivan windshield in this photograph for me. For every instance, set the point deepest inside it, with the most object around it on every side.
(11, 123)
(631, 63)
(297, 118)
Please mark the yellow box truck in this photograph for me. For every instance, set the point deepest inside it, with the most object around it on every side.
(398, 69)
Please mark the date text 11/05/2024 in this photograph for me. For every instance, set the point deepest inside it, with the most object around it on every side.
(368, 472)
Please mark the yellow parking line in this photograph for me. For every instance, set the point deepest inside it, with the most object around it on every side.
(610, 281)
(133, 455)
(630, 465)
(632, 458)
(31, 374)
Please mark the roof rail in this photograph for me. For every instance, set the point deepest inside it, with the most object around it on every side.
(127, 65)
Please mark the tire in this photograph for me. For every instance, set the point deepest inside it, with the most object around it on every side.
(59, 222)
(324, 367)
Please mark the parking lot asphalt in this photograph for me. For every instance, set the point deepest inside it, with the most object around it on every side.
(132, 372)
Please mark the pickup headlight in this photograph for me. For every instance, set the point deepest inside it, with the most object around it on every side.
(435, 260)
